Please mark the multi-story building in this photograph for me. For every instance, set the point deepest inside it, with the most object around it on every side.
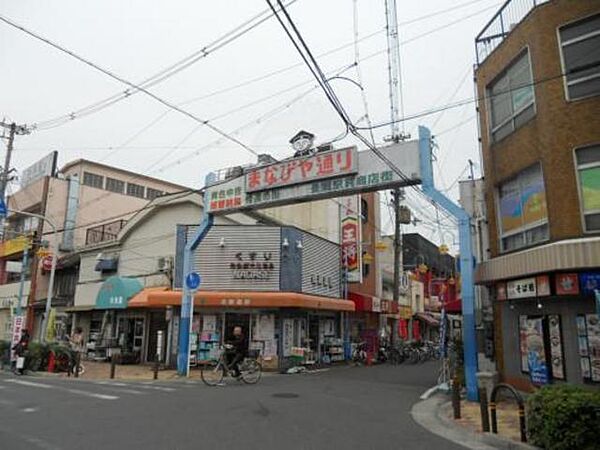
(538, 80)
(88, 203)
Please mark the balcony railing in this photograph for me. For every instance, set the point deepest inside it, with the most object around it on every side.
(508, 16)
(103, 233)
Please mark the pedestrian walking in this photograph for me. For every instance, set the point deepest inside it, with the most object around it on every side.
(20, 350)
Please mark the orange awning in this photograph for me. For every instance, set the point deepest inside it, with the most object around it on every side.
(157, 298)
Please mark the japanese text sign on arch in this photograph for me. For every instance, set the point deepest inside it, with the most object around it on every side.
(320, 166)
(323, 175)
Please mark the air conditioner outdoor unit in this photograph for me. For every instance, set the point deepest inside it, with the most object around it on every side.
(165, 263)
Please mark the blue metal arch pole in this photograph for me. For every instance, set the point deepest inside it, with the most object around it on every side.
(187, 301)
(466, 261)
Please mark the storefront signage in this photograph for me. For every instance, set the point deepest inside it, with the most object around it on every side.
(236, 302)
(12, 246)
(44, 167)
(17, 326)
(543, 285)
(521, 288)
(351, 238)
(590, 281)
(354, 173)
(321, 280)
(567, 284)
(300, 170)
(501, 291)
(376, 305)
(252, 266)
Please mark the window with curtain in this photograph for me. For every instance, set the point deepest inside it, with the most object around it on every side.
(588, 174)
(580, 48)
(511, 98)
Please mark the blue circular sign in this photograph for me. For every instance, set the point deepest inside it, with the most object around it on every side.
(193, 280)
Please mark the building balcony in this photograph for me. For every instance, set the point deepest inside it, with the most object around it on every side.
(104, 233)
(510, 14)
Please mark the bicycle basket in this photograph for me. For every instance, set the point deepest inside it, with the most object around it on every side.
(254, 353)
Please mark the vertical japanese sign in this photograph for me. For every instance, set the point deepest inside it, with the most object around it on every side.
(17, 326)
(351, 238)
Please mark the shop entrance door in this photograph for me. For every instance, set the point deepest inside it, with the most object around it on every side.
(237, 320)
(158, 322)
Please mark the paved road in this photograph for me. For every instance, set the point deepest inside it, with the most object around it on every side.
(347, 408)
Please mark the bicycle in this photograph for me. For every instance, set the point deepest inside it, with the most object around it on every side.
(359, 354)
(66, 361)
(213, 372)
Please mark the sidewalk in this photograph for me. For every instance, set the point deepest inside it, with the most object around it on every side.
(435, 414)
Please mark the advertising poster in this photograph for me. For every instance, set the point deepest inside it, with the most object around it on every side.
(17, 326)
(590, 188)
(533, 198)
(288, 336)
(593, 329)
(209, 323)
(351, 238)
(556, 350)
(536, 355)
(510, 212)
(523, 343)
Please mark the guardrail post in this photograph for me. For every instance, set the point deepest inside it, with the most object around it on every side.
(113, 366)
(456, 398)
(483, 407)
(520, 402)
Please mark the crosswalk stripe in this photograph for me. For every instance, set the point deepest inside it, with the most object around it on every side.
(72, 391)
(30, 383)
(93, 394)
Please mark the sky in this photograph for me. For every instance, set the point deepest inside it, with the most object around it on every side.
(136, 39)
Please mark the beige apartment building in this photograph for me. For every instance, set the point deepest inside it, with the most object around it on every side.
(88, 203)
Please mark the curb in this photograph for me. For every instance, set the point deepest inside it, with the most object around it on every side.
(430, 415)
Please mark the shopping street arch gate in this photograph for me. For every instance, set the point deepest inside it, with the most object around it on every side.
(330, 174)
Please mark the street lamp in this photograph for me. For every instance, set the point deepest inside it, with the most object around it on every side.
(52, 270)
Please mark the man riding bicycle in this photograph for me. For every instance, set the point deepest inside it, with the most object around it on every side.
(236, 351)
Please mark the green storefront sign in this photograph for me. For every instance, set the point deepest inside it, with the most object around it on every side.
(115, 292)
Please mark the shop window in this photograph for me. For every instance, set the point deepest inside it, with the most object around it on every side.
(511, 98)
(588, 336)
(93, 180)
(135, 190)
(580, 49)
(588, 175)
(522, 211)
(115, 185)
(364, 210)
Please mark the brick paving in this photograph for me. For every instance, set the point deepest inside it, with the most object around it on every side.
(506, 411)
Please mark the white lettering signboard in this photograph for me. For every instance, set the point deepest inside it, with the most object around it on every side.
(17, 326)
(521, 288)
(44, 167)
(300, 170)
(351, 238)
(370, 174)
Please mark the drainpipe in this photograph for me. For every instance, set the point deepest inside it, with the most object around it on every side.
(466, 261)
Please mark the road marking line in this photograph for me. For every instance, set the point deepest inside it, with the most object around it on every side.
(6, 402)
(92, 394)
(109, 383)
(30, 410)
(158, 388)
(31, 384)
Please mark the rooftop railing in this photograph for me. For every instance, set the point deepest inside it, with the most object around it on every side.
(495, 31)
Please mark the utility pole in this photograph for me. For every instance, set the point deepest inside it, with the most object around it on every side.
(397, 197)
(13, 129)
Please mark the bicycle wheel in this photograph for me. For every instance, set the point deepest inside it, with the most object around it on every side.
(212, 373)
(250, 371)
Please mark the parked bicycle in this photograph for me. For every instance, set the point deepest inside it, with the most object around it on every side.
(213, 372)
(359, 354)
(66, 361)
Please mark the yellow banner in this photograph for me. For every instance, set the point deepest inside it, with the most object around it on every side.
(12, 246)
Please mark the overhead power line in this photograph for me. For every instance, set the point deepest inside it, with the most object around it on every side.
(167, 72)
(129, 83)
